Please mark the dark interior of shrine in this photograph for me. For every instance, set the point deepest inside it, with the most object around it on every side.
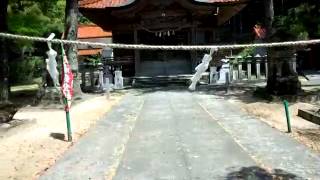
(165, 62)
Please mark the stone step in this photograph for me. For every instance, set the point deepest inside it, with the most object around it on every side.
(142, 81)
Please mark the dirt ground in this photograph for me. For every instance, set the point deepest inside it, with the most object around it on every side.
(37, 136)
(274, 114)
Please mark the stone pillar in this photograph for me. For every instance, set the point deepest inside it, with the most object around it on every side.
(249, 60)
(266, 65)
(240, 60)
(231, 69)
(92, 78)
(213, 75)
(258, 66)
(282, 79)
(100, 77)
(294, 63)
(234, 70)
(83, 78)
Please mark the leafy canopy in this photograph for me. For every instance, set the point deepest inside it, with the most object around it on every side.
(302, 22)
(36, 17)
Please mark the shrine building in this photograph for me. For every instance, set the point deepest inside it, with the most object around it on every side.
(161, 22)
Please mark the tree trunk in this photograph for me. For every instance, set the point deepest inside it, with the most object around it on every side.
(269, 16)
(282, 78)
(4, 67)
(71, 30)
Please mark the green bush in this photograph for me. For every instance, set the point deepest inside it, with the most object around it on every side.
(24, 71)
(247, 52)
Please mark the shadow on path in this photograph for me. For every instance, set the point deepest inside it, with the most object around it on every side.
(258, 173)
(58, 136)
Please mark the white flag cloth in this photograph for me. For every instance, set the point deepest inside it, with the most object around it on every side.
(201, 68)
(52, 66)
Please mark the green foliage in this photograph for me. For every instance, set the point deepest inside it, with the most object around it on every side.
(94, 60)
(23, 72)
(36, 17)
(247, 52)
(302, 22)
(83, 20)
(31, 21)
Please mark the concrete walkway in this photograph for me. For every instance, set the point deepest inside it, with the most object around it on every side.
(175, 134)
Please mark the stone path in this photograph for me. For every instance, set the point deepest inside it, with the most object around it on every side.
(175, 134)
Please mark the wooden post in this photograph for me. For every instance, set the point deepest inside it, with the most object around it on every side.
(136, 53)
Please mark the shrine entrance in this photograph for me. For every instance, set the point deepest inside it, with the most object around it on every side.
(164, 63)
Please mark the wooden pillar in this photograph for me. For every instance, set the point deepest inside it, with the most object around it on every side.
(136, 54)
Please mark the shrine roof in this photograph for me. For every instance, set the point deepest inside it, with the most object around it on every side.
(87, 52)
(92, 31)
(99, 4)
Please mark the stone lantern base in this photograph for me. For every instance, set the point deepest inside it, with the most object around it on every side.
(283, 78)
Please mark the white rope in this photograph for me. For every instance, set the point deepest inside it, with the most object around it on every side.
(156, 47)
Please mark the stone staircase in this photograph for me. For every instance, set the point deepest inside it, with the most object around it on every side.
(183, 80)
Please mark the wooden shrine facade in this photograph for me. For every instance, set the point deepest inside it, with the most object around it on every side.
(160, 22)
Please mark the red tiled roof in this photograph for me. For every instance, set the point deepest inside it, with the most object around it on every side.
(103, 3)
(92, 31)
(117, 3)
(87, 52)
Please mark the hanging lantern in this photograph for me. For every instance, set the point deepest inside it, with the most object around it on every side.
(168, 33)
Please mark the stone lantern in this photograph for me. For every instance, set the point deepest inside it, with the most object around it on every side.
(282, 76)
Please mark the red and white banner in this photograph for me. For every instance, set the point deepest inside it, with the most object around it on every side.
(67, 81)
